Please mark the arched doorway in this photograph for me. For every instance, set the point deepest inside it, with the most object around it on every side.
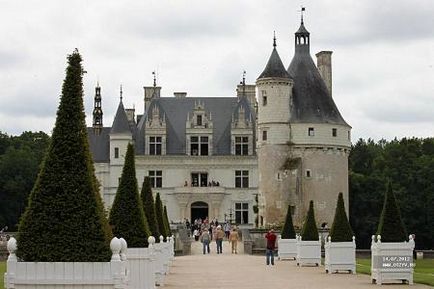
(199, 210)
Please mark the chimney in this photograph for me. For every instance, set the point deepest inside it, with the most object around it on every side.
(130, 114)
(180, 94)
(249, 91)
(324, 64)
(150, 93)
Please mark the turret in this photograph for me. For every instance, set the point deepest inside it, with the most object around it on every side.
(97, 111)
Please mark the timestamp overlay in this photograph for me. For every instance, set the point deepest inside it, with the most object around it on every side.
(394, 262)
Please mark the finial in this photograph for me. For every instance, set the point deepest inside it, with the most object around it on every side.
(120, 92)
(274, 39)
(301, 12)
(244, 78)
(155, 78)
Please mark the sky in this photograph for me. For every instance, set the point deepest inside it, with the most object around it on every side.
(383, 55)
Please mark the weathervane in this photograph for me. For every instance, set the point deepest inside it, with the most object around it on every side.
(120, 91)
(274, 39)
(155, 78)
(301, 12)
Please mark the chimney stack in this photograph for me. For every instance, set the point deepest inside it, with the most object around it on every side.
(180, 94)
(324, 64)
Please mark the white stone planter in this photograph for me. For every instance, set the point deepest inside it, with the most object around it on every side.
(308, 252)
(57, 275)
(391, 261)
(141, 267)
(340, 256)
(287, 248)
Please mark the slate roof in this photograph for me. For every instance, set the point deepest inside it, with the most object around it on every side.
(274, 67)
(120, 123)
(99, 144)
(312, 102)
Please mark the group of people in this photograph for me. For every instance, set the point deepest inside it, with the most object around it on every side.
(206, 232)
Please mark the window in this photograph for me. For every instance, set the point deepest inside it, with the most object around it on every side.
(241, 213)
(308, 174)
(311, 131)
(119, 181)
(116, 153)
(199, 179)
(241, 179)
(156, 178)
(264, 98)
(199, 120)
(349, 135)
(199, 146)
(241, 145)
(334, 132)
(264, 135)
(155, 145)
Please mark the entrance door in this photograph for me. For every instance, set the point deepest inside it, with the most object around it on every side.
(199, 210)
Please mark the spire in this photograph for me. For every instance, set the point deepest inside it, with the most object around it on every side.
(120, 124)
(274, 39)
(301, 14)
(244, 83)
(155, 78)
(120, 92)
(97, 110)
(302, 36)
(274, 66)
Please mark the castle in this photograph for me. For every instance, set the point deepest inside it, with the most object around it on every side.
(277, 143)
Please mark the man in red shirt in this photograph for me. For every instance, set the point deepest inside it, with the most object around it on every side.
(271, 246)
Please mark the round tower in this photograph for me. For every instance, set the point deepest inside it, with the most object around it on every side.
(274, 87)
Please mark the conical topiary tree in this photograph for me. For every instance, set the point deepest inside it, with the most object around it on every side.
(149, 207)
(310, 230)
(166, 222)
(341, 229)
(391, 228)
(64, 220)
(288, 231)
(127, 217)
(160, 219)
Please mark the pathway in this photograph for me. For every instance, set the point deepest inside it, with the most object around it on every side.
(245, 271)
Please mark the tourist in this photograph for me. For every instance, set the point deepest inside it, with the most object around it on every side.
(227, 228)
(219, 235)
(271, 246)
(196, 234)
(205, 238)
(233, 238)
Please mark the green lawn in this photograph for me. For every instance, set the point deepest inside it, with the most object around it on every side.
(2, 273)
(423, 272)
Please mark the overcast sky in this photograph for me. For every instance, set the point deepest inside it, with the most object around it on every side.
(383, 55)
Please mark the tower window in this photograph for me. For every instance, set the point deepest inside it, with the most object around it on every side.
(264, 135)
(156, 178)
(311, 131)
(241, 145)
(334, 132)
(349, 135)
(264, 98)
(116, 153)
(308, 174)
(241, 179)
(155, 145)
(199, 120)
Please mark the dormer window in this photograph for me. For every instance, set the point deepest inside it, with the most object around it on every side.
(199, 119)
(311, 131)
(155, 145)
(199, 145)
(241, 145)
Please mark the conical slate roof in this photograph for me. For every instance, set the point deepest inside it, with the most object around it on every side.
(274, 67)
(120, 124)
(312, 102)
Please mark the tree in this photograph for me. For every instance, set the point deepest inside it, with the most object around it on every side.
(149, 207)
(341, 229)
(310, 230)
(288, 231)
(391, 228)
(127, 217)
(160, 219)
(64, 220)
(166, 222)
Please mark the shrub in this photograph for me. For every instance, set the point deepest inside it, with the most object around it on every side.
(160, 219)
(64, 220)
(310, 231)
(149, 207)
(288, 228)
(391, 228)
(341, 229)
(166, 222)
(126, 215)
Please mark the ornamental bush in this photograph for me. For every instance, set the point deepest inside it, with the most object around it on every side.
(391, 228)
(310, 231)
(64, 220)
(160, 217)
(127, 217)
(166, 222)
(149, 207)
(288, 231)
(341, 229)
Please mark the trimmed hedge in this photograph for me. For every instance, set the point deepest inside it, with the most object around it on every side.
(391, 228)
(166, 222)
(288, 231)
(64, 220)
(126, 215)
(149, 207)
(160, 217)
(341, 229)
(310, 230)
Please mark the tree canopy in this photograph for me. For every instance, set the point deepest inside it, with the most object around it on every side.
(288, 231)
